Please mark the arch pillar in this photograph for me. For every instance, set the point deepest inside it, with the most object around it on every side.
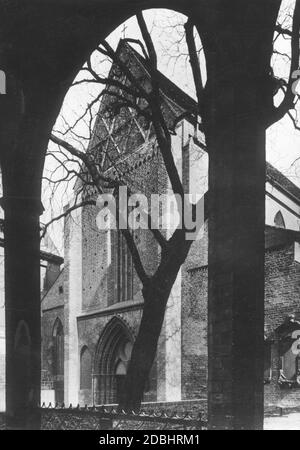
(237, 40)
(22, 304)
(30, 111)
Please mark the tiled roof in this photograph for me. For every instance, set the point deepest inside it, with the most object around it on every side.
(189, 105)
(277, 178)
(169, 88)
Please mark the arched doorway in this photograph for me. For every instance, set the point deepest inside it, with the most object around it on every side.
(58, 361)
(111, 362)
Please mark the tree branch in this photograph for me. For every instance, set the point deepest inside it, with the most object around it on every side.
(131, 78)
(288, 101)
(148, 40)
(95, 174)
(279, 29)
(98, 178)
(110, 81)
(194, 61)
(159, 124)
(65, 214)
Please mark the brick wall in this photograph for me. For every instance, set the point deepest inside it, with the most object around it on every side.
(98, 277)
(52, 309)
(194, 321)
(282, 286)
(282, 293)
(99, 268)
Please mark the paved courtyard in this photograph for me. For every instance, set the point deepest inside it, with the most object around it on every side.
(289, 421)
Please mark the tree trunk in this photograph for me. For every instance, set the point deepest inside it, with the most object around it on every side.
(144, 349)
(156, 294)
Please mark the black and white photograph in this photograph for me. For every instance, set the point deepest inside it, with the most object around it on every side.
(149, 218)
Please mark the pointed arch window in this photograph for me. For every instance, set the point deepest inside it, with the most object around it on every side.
(58, 360)
(279, 220)
(58, 349)
(124, 269)
(85, 369)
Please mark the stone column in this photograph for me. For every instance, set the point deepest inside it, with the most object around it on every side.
(22, 310)
(238, 97)
(236, 277)
(73, 305)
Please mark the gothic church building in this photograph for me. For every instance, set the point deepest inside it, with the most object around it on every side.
(91, 313)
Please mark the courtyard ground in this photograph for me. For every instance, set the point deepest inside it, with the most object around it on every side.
(289, 421)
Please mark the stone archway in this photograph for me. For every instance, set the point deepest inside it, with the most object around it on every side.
(111, 360)
(37, 80)
(38, 76)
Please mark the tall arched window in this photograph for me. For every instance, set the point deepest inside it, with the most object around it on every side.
(58, 337)
(279, 220)
(85, 369)
(58, 360)
(124, 269)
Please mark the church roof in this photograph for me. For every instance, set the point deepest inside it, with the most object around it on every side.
(166, 85)
(176, 104)
(277, 179)
(186, 106)
(274, 176)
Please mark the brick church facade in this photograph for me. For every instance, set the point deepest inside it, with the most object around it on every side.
(91, 313)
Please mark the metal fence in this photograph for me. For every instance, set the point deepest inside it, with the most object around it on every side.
(109, 418)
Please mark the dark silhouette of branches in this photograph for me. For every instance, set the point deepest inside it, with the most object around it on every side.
(289, 98)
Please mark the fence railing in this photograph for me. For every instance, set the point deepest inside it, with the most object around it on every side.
(109, 418)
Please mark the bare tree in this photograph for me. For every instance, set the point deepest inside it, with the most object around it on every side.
(146, 100)
(130, 92)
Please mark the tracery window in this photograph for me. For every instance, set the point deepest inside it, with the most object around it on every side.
(124, 270)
